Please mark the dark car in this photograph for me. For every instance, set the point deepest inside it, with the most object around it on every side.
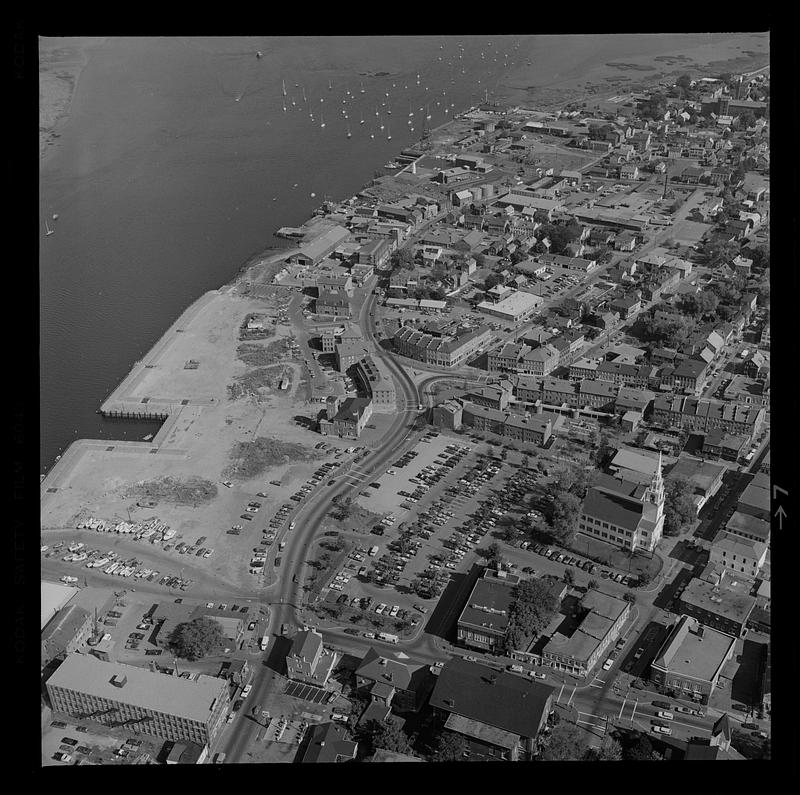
(753, 726)
(247, 516)
(351, 631)
(662, 704)
(58, 724)
(70, 741)
(81, 728)
(154, 652)
(277, 562)
(82, 749)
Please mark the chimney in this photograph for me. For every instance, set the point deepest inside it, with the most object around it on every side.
(119, 680)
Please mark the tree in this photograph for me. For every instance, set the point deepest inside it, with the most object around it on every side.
(492, 280)
(198, 638)
(609, 750)
(569, 576)
(679, 507)
(629, 597)
(684, 82)
(449, 747)
(389, 736)
(493, 554)
(531, 610)
(593, 585)
(565, 743)
(564, 519)
(640, 750)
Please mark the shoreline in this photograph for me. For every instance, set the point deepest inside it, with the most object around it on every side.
(594, 84)
(61, 62)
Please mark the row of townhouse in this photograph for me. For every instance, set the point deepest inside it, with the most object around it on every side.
(443, 351)
(701, 414)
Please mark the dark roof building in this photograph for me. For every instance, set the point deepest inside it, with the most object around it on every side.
(329, 743)
(501, 714)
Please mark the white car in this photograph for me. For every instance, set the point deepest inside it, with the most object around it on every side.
(246, 691)
(607, 664)
(227, 483)
(380, 608)
(394, 611)
(69, 580)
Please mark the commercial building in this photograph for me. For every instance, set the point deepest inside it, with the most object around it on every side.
(718, 599)
(741, 555)
(447, 350)
(390, 683)
(347, 353)
(375, 378)
(333, 303)
(308, 660)
(691, 659)
(580, 641)
(374, 253)
(313, 252)
(514, 308)
(499, 714)
(53, 597)
(534, 428)
(755, 499)
(701, 414)
(159, 704)
(65, 633)
(345, 419)
(625, 514)
(705, 477)
(483, 622)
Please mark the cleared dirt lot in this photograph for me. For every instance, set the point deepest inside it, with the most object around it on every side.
(93, 478)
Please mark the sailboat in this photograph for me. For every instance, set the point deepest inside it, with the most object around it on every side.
(321, 119)
(410, 112)
(362, 87)
(283, 86)
(376, 111)
(362, 118)
(304, 94)
(349, 134)
(284, 105)
(428, 112)
(330, 86)
(258, 55)
(49, 230)
(55, 216)
(389, 136)
(388, 110)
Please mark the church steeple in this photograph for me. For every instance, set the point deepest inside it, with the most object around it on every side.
(655, 491)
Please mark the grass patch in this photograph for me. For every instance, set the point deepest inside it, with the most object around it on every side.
(250, 459)
(253, 382)
(192, 491)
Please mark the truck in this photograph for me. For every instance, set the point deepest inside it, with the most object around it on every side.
(385, 636)
(373, 551)
(264, 642)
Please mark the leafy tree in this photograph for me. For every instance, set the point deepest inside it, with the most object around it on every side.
(629, 597)
(679, 508)
(493, 554)
(389, 736)
(197, 638)
(449, 747)
(609, 750)
(492, 280)
(684, 82)
(566, 510)
(640, 750)
(569, 576)
(565, 743)
(593, 585)
(700, 304)
(531, 610)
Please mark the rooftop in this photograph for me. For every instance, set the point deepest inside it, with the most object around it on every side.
(191, 699)
(719, 600)
(695, 651)
(498, 699)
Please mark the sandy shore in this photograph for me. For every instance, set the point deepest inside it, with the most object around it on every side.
(60, 64)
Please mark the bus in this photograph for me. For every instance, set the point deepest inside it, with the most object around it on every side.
(385, 636)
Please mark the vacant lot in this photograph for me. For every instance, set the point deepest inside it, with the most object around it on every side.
(191, 491)
(250, 459)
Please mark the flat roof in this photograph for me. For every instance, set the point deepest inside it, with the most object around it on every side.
(54, 597)
(488, 606)
(687, 653)
(732, 605)
(158, 692)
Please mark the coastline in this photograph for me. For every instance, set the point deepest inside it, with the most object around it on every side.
(61, 62)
